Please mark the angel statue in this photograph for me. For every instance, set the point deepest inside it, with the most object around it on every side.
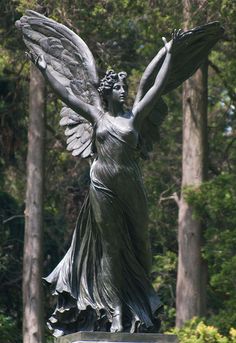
(103, 282)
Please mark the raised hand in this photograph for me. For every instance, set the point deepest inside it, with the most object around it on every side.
(39, 61)
(175, 37)
(176, 34)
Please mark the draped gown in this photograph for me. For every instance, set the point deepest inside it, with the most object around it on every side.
(108, 262)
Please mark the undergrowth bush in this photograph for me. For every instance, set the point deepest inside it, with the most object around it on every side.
(196, 331)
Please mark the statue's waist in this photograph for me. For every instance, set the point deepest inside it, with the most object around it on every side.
(111, 168)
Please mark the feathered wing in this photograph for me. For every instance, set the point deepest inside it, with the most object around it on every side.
(79, 133)
(71, 63)
(190, 50)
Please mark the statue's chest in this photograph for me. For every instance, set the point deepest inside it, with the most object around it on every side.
(116, 130)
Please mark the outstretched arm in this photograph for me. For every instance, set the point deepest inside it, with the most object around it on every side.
(87, 111)
(147, 77)
(145, 105)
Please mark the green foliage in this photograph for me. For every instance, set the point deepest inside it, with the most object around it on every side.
(196, 331)
(164, 272)
(11, 238)
(8, 329)
(215, 203)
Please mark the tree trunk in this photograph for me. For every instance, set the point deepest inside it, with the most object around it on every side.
(191, 277)
(32, 264)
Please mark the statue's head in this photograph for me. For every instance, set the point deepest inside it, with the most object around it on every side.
(114, 86)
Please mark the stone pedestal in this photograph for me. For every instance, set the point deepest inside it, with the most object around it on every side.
(106, 337)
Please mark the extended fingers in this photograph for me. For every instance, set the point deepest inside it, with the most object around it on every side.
(176, 33)
(32, 57)
(28, 55)
(179, 32)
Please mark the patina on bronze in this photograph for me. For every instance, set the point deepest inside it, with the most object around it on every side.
(103, 281)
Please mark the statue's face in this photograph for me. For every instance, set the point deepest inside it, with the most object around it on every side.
(119, 92)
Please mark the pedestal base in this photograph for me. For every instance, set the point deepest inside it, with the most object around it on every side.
(106, 337)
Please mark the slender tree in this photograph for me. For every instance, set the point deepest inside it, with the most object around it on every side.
(32, 265)
(191, 278)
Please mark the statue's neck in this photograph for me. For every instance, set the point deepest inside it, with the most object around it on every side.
(115, 108)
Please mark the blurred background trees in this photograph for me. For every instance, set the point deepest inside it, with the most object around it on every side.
(124, 35)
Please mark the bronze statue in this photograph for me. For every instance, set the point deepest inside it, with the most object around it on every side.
(103, 281)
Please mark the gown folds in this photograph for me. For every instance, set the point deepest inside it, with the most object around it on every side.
(108, 263)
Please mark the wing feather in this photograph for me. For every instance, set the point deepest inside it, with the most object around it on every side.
(84, 150)
(79, 132)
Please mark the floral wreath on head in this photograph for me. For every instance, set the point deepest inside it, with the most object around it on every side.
(110, 78)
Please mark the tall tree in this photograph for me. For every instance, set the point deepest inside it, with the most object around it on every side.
(32, 263)
(191, 277)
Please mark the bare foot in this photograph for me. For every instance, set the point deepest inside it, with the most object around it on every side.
(135, 324)
(116, 325)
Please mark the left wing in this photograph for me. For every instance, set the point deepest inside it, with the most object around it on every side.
(71, 63)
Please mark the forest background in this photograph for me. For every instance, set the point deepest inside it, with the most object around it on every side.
(124, 35)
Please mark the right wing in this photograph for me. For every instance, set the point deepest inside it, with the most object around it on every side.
(71, 63)
(190, 50)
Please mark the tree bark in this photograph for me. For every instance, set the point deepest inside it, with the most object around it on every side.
(191, 276)
(32, 263)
